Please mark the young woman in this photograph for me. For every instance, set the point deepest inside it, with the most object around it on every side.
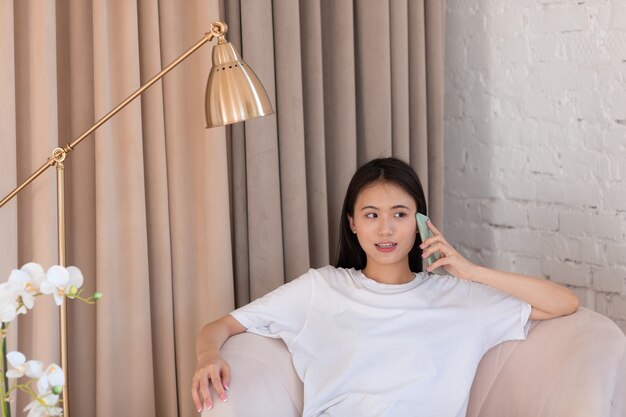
(373, 335)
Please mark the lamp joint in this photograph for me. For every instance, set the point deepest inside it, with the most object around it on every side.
(58, 155)
(218, 30)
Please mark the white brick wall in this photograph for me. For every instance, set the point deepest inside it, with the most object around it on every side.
(535, 147)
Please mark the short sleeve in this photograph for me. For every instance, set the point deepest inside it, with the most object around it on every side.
(501, 316)
(280, 313)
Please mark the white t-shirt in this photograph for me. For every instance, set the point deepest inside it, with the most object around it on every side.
(364, 349)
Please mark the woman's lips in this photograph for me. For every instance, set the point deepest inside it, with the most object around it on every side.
(386, 246)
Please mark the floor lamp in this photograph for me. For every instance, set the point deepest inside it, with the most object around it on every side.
(233, 94)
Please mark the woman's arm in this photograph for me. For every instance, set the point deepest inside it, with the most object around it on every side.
(212, 368)
(548, 300)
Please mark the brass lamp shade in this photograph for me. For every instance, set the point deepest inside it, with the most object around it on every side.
(233, 91)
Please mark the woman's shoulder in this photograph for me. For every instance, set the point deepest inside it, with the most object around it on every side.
(328, 276)
(441, 283)
(328, 272)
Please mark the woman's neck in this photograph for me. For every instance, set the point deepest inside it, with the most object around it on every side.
(389, 274)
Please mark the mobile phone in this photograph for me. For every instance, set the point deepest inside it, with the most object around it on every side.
(425, 233)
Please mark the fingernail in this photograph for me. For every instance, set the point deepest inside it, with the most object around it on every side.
(209, 406)
(423, 255)
(226, 387)
(200, 410)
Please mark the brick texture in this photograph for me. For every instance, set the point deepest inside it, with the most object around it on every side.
(535, 142)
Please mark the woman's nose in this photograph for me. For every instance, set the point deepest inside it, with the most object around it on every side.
(385, 228)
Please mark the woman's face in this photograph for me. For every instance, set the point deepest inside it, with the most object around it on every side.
(385, 225)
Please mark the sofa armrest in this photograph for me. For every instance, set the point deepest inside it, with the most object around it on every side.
(263, 380)
(571, 366)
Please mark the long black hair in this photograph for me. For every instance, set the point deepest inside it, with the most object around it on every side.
(389, 170)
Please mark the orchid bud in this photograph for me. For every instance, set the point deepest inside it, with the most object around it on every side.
(57, 389)
(73, 290)
(97, 295)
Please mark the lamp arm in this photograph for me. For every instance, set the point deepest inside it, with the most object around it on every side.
(58, 155)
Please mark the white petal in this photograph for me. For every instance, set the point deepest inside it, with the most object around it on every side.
(28, 300)
(14, 374)
(50, 399)
(34, 369)
(16, 358)
(58, 299)
(8, 292)
(76, 277)
(36, 273)
(47, 287)
(8, 313)
(42, 385)
(19, 277)
(55, 375)
(36, 411)
(58, 276)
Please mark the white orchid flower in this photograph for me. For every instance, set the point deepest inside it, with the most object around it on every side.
(44, 406)
(21, 367)
(36, 272)
(59, 282)
(20, 281)
(8, 302)
(52, 377)
(26, 282)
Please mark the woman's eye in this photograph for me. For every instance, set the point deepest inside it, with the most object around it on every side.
(400, 214)
(371, 215)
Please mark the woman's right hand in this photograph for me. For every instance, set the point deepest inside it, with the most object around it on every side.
(213, 370)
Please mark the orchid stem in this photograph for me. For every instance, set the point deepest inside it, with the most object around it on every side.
(6, 409)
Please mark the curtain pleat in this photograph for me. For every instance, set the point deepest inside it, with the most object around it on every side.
(399, 45)
(37, 135)
(373, 79)
(76, 112)
(159, 243)
(291, 147)
(265, 234)
(418, 127)
(339, 106)
(121, 189)
(434, 32)
(311, 35)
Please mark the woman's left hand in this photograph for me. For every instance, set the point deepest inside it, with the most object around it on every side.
(450, 259)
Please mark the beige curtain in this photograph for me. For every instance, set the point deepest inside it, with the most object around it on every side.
(351, 81)
(157, 206)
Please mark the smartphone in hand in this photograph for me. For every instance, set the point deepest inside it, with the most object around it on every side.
(425, 233)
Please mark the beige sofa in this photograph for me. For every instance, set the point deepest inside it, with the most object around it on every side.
(573, 366)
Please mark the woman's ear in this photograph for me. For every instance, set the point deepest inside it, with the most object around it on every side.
(351, 222)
